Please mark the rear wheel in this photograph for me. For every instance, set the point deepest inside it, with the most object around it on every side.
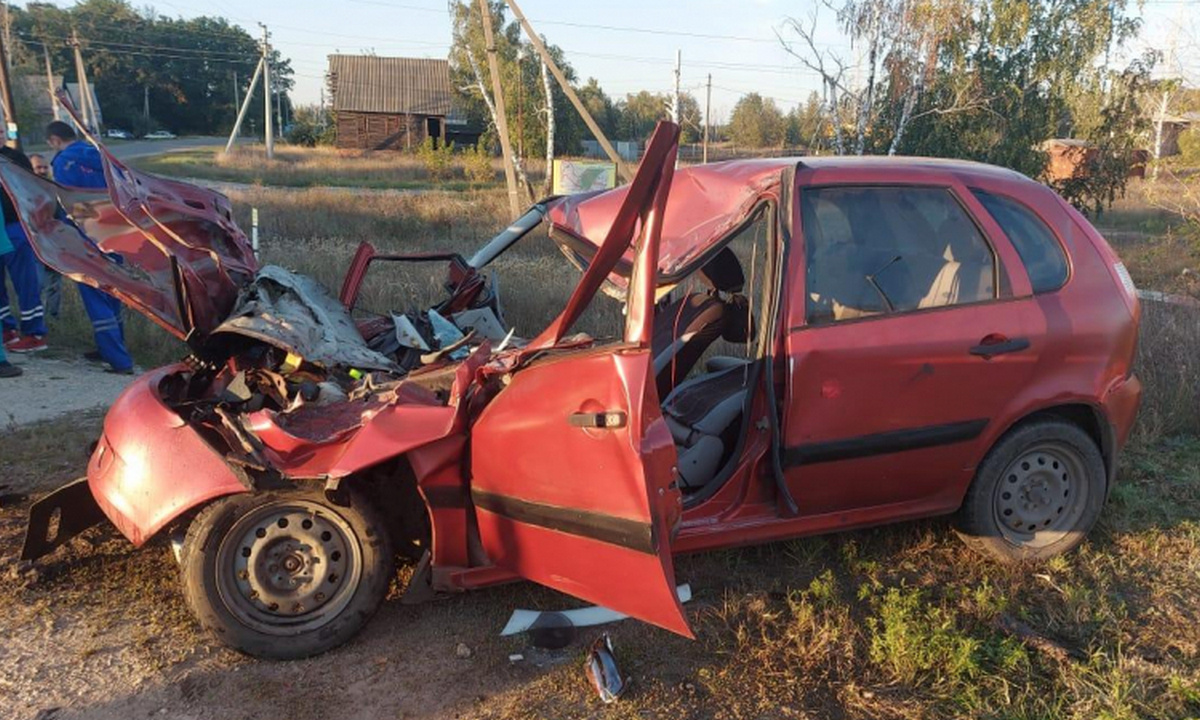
(285, 574)
(1036, 494)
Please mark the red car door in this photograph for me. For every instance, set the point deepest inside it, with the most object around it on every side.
(914, 328)
(572, 464)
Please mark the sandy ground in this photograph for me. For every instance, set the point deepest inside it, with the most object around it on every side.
(54, 387)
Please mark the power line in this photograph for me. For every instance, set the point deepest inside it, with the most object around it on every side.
(193, 58)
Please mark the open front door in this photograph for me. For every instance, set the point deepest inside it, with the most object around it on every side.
(572, 464)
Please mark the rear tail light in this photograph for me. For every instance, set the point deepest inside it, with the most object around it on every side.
(1126, 281)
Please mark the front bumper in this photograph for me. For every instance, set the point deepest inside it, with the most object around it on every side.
(150, 466)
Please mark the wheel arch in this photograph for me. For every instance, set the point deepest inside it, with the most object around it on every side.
(1086, 416)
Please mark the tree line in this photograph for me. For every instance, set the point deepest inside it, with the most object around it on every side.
(148, 70)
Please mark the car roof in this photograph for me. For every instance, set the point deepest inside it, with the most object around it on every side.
(708, 202)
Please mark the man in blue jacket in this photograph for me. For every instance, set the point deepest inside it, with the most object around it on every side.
(78, 164)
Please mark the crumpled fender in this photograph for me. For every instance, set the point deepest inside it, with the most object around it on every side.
(150, 466)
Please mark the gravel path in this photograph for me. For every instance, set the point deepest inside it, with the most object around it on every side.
(51, 388)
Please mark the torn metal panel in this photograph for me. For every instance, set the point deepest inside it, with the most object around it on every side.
(180, 267)
(295, 313)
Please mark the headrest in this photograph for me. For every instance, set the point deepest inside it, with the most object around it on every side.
(724, 272)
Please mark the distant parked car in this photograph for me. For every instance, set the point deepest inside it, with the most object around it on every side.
(160, 135)
(118, 134)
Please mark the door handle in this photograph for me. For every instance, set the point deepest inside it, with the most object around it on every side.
(997, 344)
(607, 420)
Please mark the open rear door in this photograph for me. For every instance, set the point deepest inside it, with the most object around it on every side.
(572, 464)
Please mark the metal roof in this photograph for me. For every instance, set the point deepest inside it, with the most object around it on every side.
(366, 83)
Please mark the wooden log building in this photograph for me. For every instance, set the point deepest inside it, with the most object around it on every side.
(389, 103)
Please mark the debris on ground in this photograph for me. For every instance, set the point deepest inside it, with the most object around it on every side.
(602, 670)
(549, 626)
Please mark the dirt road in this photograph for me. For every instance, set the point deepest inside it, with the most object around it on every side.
(52, 388)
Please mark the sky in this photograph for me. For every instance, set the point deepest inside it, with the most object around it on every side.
(628, 45)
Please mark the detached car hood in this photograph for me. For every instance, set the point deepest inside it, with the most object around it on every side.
(707, 203)
(168, 249)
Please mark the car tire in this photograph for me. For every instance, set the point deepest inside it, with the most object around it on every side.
(1036, 494)
(286, 574)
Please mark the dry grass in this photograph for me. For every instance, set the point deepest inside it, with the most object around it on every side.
(1156, 241)
(896, 622)
(322, 166)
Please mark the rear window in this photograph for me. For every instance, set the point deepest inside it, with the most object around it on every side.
(1035, 243)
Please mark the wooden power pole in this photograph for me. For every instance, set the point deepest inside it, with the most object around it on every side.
(622, 168)
(266, 68)
(510, 174)
(12, 135)
(707, 107)
(85, 93)
(50, 82)
(237, 124)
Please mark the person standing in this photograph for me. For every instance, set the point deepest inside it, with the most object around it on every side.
(7, 369)
(77, 164)
(29, 334)
(51, 279)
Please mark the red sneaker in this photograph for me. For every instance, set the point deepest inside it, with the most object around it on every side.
(10, 337)
(27, 344)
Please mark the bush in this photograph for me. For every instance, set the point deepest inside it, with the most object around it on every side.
(1189, 148)
(435, 159)
(477, 164)
(307, 130)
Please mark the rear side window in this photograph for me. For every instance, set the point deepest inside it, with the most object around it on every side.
(1035, 243)
(882, 250)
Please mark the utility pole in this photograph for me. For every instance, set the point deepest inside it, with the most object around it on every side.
(85, 93)
(538, 45)
(521, 102)
(237, 101)
(266, 71)
(12, 134)
(50, 82)
(707, 106)
(510, 175)
(675, 97)
(146, 104)
(237, 124)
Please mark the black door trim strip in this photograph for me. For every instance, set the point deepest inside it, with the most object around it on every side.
(596, 526)
(884, 443)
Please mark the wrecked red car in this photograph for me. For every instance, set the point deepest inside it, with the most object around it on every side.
(808, 345)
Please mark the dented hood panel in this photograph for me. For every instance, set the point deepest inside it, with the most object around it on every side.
(296, 314)
(707, 202)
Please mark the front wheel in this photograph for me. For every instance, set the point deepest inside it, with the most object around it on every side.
(285, 574)
(1036, 494)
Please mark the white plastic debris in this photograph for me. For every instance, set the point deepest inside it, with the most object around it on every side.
(522, 620)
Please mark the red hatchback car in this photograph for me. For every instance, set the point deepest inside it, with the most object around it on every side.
(806, 345)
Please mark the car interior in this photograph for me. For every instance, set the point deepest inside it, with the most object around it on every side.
(706, 335)
(706, 350)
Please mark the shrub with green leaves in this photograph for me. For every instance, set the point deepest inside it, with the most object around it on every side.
(477, 164)
(436, 158)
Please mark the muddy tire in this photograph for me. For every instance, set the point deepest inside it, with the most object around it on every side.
(1036, 494)
(285, 574)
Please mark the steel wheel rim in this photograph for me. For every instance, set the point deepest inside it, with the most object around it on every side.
(288, 567)
(1041, 495)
